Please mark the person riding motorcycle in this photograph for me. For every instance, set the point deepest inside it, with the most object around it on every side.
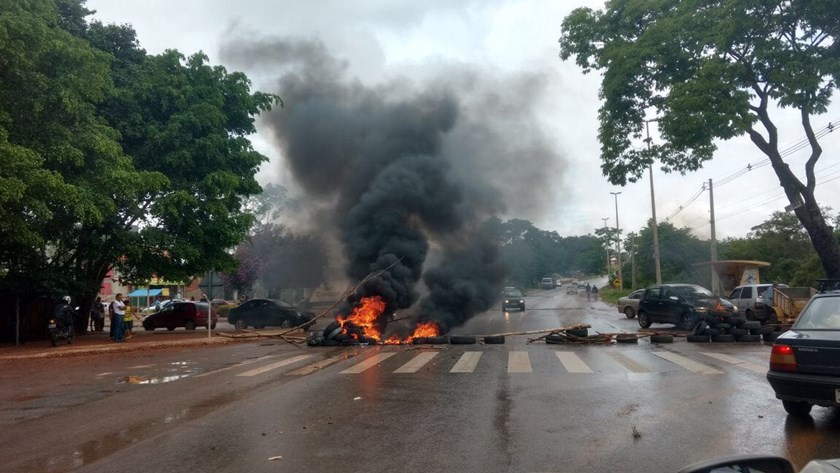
(63, 313)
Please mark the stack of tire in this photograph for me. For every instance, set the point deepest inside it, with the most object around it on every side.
(732, 329)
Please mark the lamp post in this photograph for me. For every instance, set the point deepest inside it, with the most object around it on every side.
(607, 246)
(653, 208)
(618, 242)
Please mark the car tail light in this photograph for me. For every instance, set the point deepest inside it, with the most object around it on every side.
(782, 358)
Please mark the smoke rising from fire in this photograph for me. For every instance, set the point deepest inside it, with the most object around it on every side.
(408, 168)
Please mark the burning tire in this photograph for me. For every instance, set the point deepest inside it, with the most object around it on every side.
(441, 340)
(462, 340)
(333, 329)
(494, 340)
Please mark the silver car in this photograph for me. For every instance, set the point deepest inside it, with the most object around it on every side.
(629, 304)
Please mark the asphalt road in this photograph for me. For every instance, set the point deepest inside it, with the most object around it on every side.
(269, 406)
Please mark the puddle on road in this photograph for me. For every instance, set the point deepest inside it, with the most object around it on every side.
(180, 370)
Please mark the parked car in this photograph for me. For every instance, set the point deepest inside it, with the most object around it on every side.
(259, 313)
(629, 304)
(805, 361)
(180, 314)
(547, 283)
(512, 298)
(683, 305)
(754, 301)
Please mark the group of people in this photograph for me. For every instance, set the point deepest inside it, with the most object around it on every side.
(120, 315)
(591, 292)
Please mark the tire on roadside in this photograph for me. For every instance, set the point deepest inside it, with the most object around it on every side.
(723, 338)
(626, 338)
(697, 339)
(666, 338)
(494, 340)
(737, 332)
(578, 332)
(772, 336)
(748, 338)
(462, 340)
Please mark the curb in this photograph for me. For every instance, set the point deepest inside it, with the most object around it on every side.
(111, 347)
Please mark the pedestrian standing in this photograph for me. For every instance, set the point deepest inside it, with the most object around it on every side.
(594, 292)
(117, 320)
(128, 320)
(588, 292)
(97, 315)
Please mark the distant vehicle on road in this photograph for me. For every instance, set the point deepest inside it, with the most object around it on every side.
(547, 283)
(180, 314)
(513, 298)
(571, 289)
(260, 313)
(629, 304)
(683, 305)
(805, 361)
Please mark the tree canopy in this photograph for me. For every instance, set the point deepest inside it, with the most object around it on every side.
(711, 70)
(112, 155)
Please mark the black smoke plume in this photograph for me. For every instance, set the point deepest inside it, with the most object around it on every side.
(406, 169)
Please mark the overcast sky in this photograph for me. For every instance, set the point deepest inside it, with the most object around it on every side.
(505, 41)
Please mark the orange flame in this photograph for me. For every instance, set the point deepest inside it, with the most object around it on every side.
(370, 308)
(365, 316)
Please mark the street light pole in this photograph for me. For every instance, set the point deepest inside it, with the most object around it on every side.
(607, 246)
(653, 209)
(618, 242)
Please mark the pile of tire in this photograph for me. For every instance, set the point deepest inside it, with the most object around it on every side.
(732, 329)
(570, 335)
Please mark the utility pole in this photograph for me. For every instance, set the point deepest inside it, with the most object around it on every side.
(653, 209)
(618, 242)
(715, 281)
(607, 246)
(632, 260)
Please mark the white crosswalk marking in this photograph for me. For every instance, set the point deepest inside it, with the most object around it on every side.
(309, 369)
(572, 362)
(738, 362)
(274, 366)
(238, 365)
(518, 362)
(630, 364)
(467, 362)
(416, 363)
(368, 363)
(686, 363)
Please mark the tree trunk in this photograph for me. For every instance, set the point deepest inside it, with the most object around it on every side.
(822, 236)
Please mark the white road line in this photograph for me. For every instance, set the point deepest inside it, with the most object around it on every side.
(233, 367)
(309, 369)
(368, 363)
(572, 362)
(686, 363)
(467, 362)
(738, 362)
(628, 363)
(416, 363)
(274, 366)
(518, 362)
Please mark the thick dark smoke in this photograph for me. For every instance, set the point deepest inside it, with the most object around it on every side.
(405, 168)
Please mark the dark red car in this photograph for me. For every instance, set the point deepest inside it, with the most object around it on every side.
(185, 314)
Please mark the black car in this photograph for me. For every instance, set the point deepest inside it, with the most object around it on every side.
(805, 361)
(683, 305)
(259, 313)
(513, 298)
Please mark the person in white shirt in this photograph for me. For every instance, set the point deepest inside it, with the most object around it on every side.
(117, 332)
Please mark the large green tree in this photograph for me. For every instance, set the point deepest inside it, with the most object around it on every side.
(112, 155)
(709, 70)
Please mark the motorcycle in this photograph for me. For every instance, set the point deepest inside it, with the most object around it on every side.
(58, 329)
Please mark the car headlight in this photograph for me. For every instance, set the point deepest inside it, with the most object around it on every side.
(507, 301)
(701, 309)
(734, 308)
(521, 301)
